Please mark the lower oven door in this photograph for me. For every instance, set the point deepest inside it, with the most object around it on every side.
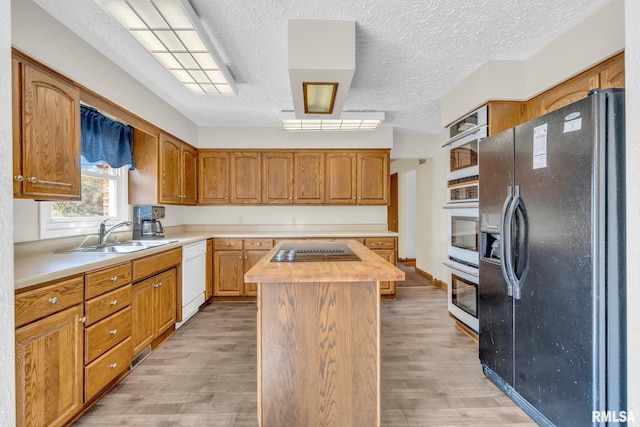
(463, 293)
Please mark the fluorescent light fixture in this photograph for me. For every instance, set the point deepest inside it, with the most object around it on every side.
(319, 97)
(348, 121)
(171, 31)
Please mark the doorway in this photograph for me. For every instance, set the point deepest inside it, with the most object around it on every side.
(392, 209)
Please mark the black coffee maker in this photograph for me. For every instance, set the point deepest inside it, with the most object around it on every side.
(146, 222)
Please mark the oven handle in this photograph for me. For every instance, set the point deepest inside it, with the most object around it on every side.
(505, 246)
(453, 267)
(471, 132)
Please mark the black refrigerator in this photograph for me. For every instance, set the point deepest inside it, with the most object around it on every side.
(552, 319)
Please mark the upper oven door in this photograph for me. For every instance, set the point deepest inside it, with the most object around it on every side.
(462, 155)
(464, 233)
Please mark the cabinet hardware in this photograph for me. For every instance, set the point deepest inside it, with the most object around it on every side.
(114, 302)
(113, 332)
(33, 180)
(114, 279)
(113, 365)
(259, 244)
(246, 257)
(18, 178)
(228, 244)
(53, 300)
(83, 319)
(379, 243)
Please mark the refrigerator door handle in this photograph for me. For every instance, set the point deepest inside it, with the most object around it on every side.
(505, 247)
(518, 282)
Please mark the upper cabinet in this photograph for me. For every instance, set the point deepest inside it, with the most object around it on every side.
(611, 73)
(341, 178)
(245, 177)
(308, 178)
(213, 177)
(277, 178)
(373, 178)
(46, 134)
(178, 171)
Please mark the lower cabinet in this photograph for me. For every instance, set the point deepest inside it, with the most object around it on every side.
(49, 369)
(231, 259)
(154, 308)
(386, 248)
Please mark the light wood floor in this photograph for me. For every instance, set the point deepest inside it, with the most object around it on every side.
(205, 375)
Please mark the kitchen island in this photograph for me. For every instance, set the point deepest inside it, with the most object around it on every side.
(319, 339)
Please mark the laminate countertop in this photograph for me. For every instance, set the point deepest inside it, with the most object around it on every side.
(371, 267)
(39, 262)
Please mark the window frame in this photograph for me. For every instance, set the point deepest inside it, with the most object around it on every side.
(69, 227)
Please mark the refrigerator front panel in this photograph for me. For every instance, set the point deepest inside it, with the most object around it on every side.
(495, 311)
(555, 318)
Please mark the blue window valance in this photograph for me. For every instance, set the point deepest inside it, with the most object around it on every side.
(104, 139)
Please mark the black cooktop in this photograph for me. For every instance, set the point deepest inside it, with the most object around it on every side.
(314, 252)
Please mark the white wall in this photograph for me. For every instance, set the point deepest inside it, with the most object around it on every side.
(41, 36)
(408, 193)
(598, 37)
(632, 70)
(7, 349)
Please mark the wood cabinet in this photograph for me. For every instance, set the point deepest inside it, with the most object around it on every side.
(245, 177)
(386, 248)
(277, 178)
(49, 369)
(373, 177)
(213, 177)
(232, 258)
(153, 307)
(341, 177)
(46, 127)
(503, 115)
(208, 290)
(611, 73)
(308, 179)
(178, 171)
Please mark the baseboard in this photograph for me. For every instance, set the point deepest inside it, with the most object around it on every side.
(409, 262)
(435, 282)
(465, 329)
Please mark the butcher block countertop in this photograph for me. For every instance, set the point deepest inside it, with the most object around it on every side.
(371, 267)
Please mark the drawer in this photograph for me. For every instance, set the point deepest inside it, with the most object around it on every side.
(380, 242)
(105, 334)
(106, 368)
(258, 244)
(105, 305)
(100, 282)
(227, 244)
(41, 302)
(154, 264)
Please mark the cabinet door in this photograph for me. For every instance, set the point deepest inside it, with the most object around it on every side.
(51, 136)
(189, 175)
(250, 259)
(612, 75)
(245, 178)
(564, 94)
(277, 178)
(208, 291)
(164, 302)
(387, 287)
(49, 369)
(170, 161)
(227, 273)
(213, 177)
(309, 178)
(16, 86)
(341, 178)
(373, 178)
(142, 314)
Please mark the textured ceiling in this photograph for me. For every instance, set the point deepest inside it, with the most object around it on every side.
(408, 52)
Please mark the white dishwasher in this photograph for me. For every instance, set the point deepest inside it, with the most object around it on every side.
(193, 279)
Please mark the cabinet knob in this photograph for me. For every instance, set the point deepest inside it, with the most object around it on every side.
(114, 279)
(18, 178)
(354, 198)
(240, 257)
(158, 284)
(246, 257)
(379, 243)
(259, 244)
(290, 198)
(114, 302)
(83, 319)
(53, 300)
(33, 180)
(113, 365)
(228, 244)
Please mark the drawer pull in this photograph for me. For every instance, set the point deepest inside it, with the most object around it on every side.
(228, 244)
(113, 332)
(114, 302)
(113, 365)
(53, 300)
(259, 244)
(379, 243)
(114, 279)
(83, 319)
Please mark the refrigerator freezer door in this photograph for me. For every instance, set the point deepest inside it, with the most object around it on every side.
(554, 321)
(495, 311)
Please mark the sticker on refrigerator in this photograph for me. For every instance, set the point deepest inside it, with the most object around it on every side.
(572, 125)
(540, 146)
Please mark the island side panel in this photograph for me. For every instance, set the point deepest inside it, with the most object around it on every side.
(319, 356)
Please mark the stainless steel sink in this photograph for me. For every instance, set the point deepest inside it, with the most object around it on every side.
(119, 248)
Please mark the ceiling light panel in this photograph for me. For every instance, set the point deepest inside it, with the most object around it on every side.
(349, 121)
(172, 32)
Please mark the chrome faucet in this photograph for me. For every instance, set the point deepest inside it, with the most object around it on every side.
(103, 233)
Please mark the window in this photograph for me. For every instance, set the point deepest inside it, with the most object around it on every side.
(104, 195)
